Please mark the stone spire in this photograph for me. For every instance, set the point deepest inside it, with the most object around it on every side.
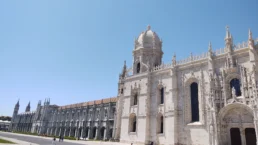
(250, 35)
(17, 104)
(174, 60)
(252, 53)
(210, 48)
(122, 75)
(28, 108)
(228, 35)
(250, 40)
(228, 40)
(210, 58)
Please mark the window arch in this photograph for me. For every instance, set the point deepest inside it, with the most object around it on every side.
(194, 101)
(161, 95)
(235, 83)
(132, 123)
(138, 67)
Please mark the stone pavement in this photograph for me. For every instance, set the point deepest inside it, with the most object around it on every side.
(23, 139)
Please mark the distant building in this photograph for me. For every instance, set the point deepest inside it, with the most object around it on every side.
(4, 125)
(92, 120)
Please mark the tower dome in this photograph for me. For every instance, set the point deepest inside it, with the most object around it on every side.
(148, 39)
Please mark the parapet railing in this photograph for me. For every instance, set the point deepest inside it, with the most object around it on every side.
(240, 46)
(193, 58)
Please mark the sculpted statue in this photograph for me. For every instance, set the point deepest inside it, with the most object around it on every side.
(233, 92)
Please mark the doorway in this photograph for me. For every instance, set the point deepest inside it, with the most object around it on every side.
(235, 136)
(250, 136)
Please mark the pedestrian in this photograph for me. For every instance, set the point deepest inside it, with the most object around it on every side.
(54, 141)
(60, 138)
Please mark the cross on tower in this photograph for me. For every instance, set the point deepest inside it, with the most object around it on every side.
(227, 27)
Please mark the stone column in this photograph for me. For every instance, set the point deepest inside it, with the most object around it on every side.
(88, 137)
(64, 132)
(60, 131)
(256, 130)
(242, 134)
(70, 132)
(256, 124)
(76, 132)
(105, 134)
(56, 131)
(96, 135)
(82, 132)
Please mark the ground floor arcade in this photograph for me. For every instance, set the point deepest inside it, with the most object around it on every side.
(97, 133)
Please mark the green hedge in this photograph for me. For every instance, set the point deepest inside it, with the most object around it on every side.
(70, 138)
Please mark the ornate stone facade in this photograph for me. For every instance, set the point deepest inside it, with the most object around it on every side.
(210, 99)
(91, 120)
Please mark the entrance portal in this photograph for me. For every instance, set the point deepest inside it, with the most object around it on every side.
(235, 136)
(250, 136)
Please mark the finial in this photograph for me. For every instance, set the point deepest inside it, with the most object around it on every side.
(250, 35)
(18, 101)
(125, 63)
(227, 32)
(174, 59)
(227, 28)
(148, 27)
(210, 47)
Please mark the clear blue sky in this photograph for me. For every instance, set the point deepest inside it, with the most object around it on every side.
(73, 51)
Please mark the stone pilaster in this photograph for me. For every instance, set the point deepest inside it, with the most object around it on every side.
(96, 134)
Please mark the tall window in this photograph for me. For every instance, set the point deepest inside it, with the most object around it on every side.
(122, 91)
(161, 124)
(133, 123)
(235, 83)
(138, 68)
(194, 102)
(135, 99)
(162, 95)
(105, 112)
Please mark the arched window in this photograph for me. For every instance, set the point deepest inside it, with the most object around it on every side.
(235, 83)
(138, 68)
(133, 123)
(135, 99)
(194, 102)
(162, 95)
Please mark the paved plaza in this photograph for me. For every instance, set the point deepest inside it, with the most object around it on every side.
(22, 139)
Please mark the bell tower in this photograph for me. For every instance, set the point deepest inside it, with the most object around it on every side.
(147, 51)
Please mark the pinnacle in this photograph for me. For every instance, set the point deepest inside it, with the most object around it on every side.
(148, 27)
